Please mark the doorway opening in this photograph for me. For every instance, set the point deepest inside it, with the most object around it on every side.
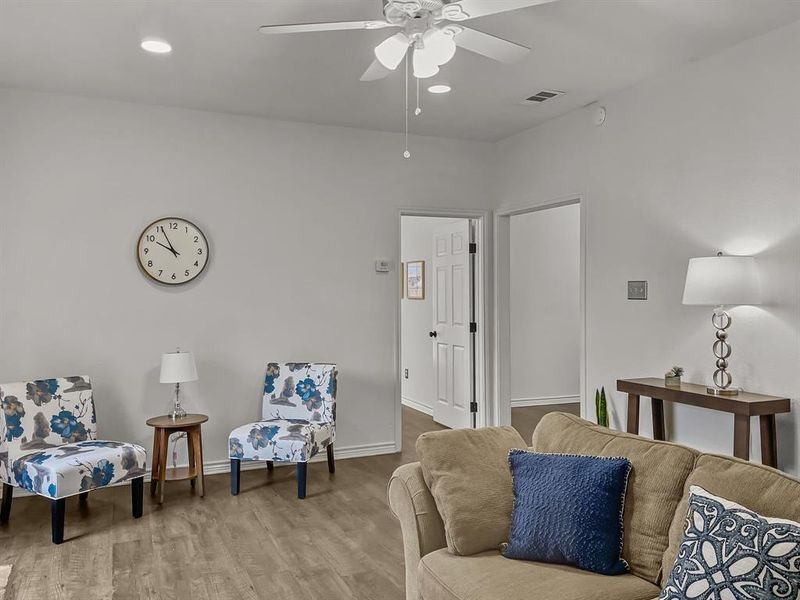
(441, 322)
(540, 318)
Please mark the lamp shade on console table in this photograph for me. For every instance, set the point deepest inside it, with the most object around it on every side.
(721, 281)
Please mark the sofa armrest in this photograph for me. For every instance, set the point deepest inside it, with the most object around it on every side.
(423, 530)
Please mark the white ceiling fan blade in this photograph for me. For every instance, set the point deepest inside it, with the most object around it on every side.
(490, 46)
(472, 9)
(313, 27)
(375, 71)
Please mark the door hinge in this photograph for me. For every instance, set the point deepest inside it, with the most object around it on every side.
(473, 327)
(473, 248)
(473, 407)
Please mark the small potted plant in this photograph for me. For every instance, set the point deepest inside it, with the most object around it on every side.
(672, 377)
(601, 407)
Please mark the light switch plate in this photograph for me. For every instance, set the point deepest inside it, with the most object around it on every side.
(382, 265)
(637, 290)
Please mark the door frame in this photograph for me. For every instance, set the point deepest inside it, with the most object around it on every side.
(502, 297)
(483, 310)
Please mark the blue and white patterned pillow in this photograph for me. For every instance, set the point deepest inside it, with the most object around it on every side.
(728, 552)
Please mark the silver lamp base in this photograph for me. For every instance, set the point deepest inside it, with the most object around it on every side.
(177, 410)
(722, 391)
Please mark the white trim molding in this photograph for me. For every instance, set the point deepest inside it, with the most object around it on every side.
(502, 297)
(484, 312)
(418, 406)
(545, 401)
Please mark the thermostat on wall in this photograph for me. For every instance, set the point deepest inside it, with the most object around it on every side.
(382, 265)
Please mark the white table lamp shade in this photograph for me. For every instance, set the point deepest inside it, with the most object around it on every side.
(178, 367)
(722, 281)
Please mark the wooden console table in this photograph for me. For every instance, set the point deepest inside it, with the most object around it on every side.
(743, 406)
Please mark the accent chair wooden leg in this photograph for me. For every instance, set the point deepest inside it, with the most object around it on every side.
(57, 512)
(235, 471)
(270, 465)
(302, 470)
(5, 508)
(83, 498)
(331, 462)
(137, 496)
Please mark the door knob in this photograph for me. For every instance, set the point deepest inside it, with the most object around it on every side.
(433, 334)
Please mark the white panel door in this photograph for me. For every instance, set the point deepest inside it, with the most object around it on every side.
(451, 317)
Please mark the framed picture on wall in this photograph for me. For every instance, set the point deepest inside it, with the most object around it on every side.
(402, 280)
(415, 280)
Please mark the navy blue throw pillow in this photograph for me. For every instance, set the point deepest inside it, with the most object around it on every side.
(568, 510)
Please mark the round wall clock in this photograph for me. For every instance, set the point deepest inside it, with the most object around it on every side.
(172, 251)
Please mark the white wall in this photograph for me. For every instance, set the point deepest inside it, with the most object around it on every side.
(295, 215)
(545, 305)
(699, 160)
(419, 390)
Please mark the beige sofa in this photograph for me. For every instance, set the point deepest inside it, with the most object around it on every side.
(655, 509)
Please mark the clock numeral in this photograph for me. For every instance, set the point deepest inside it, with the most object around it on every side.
(196, 263)
(149, 263)
(151, 238)
(174, 276)
(173, 225)
(196, 239)
(186, 273)
(200, 251)
(160, 271)
(147, 250)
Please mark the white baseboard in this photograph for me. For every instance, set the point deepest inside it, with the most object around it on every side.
(411, 403)
(544, 401)
(215, 467)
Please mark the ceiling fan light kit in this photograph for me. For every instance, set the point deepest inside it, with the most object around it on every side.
(391, 51)
(429, 29)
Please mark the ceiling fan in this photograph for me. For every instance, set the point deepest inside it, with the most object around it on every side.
(432, 28)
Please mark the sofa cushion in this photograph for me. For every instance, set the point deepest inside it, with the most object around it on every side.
(568, 509)
(761, 489)
(489, 575)
(655, 486)
(468, 475)
(728, 551)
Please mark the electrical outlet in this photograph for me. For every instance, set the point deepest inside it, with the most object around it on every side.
(637, 290)
(405, 373)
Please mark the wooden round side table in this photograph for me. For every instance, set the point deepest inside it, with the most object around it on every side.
(164, 427)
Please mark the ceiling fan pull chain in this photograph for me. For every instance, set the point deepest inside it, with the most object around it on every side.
(418, 110)
(406, 153)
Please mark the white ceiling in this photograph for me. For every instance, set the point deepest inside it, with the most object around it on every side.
(221, 62)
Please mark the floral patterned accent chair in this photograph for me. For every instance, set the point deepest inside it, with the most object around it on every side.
(298, 419)
(49, 446)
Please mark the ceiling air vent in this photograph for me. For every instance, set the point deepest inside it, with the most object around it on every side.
(542, 96)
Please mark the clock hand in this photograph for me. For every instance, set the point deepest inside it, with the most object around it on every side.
(168, 249)
(171, 247)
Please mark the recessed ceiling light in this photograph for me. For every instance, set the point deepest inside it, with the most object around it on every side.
(156, 46)
(439, 89)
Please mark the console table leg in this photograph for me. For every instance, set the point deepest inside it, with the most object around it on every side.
(633, 413)
(741, 436)
(659, 428)
(769, 442)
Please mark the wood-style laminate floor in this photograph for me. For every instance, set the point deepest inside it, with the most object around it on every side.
(340, 542)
